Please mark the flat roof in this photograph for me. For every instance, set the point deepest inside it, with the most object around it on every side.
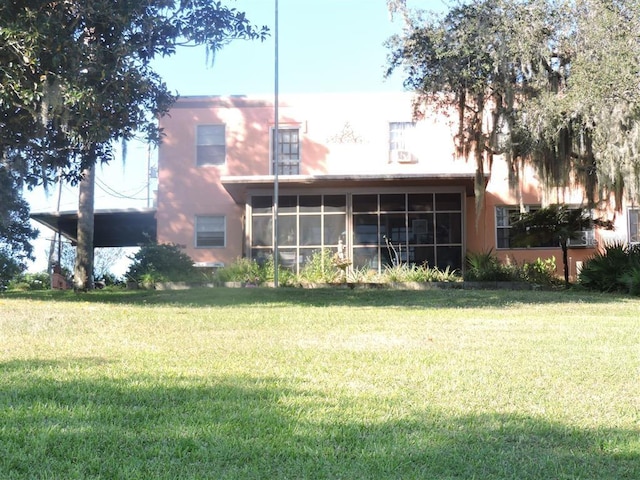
(239, 186)
(129, 227)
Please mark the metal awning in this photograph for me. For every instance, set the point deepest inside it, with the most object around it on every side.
(239, 186)
(128, 227)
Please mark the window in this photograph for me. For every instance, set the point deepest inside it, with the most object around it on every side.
(210, 231)
(307, 225)
(400, 134)
(634, 225)
(288, 148)
(505, 216)
(210, 148)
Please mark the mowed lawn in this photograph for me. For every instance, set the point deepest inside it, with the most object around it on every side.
(319, 384)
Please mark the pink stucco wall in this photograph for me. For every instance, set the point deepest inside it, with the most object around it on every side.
(341, 134)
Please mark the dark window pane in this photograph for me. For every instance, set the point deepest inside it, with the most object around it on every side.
(392, 203)
(310, 230)
(450, 257)
(422, 256)
(420, 202)
(310, 203)
(262, 204)
(335, 203)
(365, 203)
(448, 201)
(448, 228)
(287, 204)
(365, 229)
(421, 228)
(393, 227)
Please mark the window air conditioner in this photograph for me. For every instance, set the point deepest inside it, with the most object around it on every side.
(402, 156)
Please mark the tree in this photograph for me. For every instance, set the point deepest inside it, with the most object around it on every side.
(77, 77)
(555, 224)
(554, 83)
(16, 232)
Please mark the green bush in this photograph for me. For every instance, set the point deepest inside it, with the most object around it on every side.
(418, 273)
(613, 270)
(540, 272)
(320, 268)
(487, 267)
(162, 263)
(242, 270)
(30, 281)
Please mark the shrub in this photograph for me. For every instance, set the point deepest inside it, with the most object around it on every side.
(321, 267)
(162, 262)
(487, 267)
(418, 273)
(30, 281)
(242, 270)
(613, 270)
(540, 272)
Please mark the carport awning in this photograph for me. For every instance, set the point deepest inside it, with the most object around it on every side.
(112, 228)
(239, 186)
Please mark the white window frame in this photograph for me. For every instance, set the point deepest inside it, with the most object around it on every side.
(287, 166)
(400, 150)
(215, 141)
(198, 224)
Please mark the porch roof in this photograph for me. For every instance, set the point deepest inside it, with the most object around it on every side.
(239, 186)
(127, 227)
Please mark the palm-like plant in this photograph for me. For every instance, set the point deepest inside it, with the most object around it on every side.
(555, 224)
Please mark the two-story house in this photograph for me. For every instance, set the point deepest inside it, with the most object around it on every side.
(354, 171)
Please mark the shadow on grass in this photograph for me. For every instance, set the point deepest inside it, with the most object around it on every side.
(228, 297)
(270, 428)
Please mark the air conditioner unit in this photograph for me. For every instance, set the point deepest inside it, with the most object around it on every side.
(585, 238)
(402, 156)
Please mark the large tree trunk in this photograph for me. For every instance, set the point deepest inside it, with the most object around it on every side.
(83, 271)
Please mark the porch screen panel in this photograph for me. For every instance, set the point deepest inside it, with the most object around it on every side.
(422, 228)
(307, 224)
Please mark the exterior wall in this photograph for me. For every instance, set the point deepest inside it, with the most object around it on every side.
(340, 135)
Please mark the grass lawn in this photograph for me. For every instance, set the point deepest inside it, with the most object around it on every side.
(327, 384)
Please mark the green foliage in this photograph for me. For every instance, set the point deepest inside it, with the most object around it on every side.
(418, 273)
(9, 267)
(540, 272)
(616, 269)
(16, 232)
(30, 281)
(78, 75)
(321, 267)
(243, 270)
(162, 262)
(487, 267)
(554, 83)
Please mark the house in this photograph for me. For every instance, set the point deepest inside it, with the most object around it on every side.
(354, 171)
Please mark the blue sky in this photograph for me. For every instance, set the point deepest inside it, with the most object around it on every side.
(324, 46)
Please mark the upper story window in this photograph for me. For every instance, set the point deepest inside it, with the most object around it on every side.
(210, 231)
(288, 149)
(634, 225)
(210, 145)
(400, 134)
